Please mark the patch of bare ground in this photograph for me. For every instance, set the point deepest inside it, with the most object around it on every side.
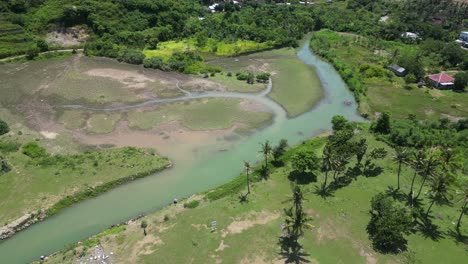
(252, 106)
(166, 138)
(131, 79)
(452, 118)
(329, 230)
(67, 36)
(199, 85)
(251, 219)
(145, 246)
(221, 246)
(261, 259)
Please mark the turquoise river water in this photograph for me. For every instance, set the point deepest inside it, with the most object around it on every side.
(192, 172)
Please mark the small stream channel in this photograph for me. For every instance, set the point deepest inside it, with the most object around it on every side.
(206, 168)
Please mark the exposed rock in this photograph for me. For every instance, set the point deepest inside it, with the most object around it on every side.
(21, 223)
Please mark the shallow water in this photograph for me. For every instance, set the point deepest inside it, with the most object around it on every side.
(193, 172)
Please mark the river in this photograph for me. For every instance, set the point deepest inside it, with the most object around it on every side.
(192, 172)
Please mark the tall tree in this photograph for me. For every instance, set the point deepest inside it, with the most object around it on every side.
(401, 157)
(296, 219)
(464, 205)
(247, 172)
(279, 150)
(429, 167)
(266, 151)
(360, 148)
(328, 163)
(439, 184)
(144, 225)
(416, 160)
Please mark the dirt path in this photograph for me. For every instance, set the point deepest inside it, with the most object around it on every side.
(45, 52)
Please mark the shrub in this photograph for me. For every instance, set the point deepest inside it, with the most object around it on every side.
(131, 56)
(388, 225)
(9, 146)
(154, 63)
(241, 76)
(192, 204)
(33, 150)
(263, 77)
(4, 128)
(410, 78)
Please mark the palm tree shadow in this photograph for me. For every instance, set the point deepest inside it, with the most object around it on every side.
(429, 230)
(291, 250)
(396, 193)
(459, 238)
(243, 198)
(323, 192)
(372, 170)
(302, 177)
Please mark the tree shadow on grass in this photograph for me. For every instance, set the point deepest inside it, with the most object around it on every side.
(353, 172)
(291, 250)
(372, 170)
(396, 194)
(429, 229)
(457, 236)
(323, 192)
(243, 198)
(302, 177)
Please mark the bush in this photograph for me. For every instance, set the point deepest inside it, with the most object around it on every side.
(9, 146)
(410, 78)
(242, 76)
(388, 225)
(33, 150)
(192, 204)
(263, 77)
(4, 128)
(131, 56)
(154, 63)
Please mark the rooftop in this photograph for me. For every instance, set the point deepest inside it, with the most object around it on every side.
(441, 78)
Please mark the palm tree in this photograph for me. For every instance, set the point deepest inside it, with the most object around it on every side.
(401, 156)
(144, 225)
(463, 208)
(296, 219)
(247, 172)
(415, 162)
(266, 151)
(449, 160)
(429, 166)
(328, 163)
(439, 189)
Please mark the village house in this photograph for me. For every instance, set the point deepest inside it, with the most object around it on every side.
(440, 81)
(398, 70)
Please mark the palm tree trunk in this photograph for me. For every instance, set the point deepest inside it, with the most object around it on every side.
(461, 215)
(410, 195)
(420, 188)
(399, 170)
(429, 209)
(326, 178)
(334, 175)
(248, 183)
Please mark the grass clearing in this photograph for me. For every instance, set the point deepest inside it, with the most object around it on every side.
(206, 114)
(234, 85)
(40, 183)
(102, 123)
(248, 232)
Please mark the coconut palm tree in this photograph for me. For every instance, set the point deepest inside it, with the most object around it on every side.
(401, 157)
(416, 160)
(266, 151)
(296, 219)
(439, 184)
(429, 167)
(464, 206)
(329, 163)
(247, 172)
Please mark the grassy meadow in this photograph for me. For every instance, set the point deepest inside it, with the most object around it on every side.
(39, 183)
(248, 232)
(207, 114)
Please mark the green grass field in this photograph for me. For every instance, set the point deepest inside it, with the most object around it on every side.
(212, 47)
(207, 114)
(234, 85)
(248, 232)
(296, 86)
(34, 184)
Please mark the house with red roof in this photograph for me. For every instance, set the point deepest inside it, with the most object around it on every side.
(441, 81)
